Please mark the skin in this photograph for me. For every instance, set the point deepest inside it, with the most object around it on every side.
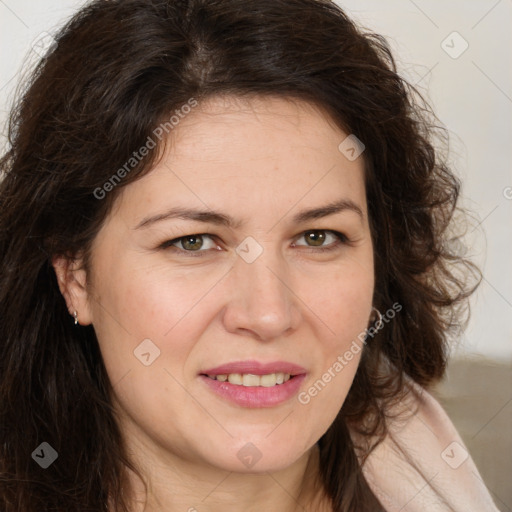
(261, 161)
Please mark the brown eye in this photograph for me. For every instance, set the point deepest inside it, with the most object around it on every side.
(191, 242)
(316, 238)
(190, 245)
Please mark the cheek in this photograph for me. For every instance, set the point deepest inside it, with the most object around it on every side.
(344, 302)
(138, 302)
(144, 311)
(343, 306)
(149, 299)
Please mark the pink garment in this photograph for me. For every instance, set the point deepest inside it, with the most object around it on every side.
(423, 464)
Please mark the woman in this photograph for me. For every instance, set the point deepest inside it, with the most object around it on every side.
(225, 283)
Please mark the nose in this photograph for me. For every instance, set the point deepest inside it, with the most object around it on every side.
(262, 302)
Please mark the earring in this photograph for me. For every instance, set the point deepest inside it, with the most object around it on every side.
(75, 315)
(378, 323)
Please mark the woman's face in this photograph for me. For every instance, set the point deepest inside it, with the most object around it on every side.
(174, 297)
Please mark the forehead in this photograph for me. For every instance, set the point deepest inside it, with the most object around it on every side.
(257, 128)
(249, 157)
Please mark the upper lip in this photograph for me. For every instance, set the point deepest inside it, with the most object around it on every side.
(255, 368)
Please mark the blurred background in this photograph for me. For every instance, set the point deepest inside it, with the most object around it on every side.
(458, 54)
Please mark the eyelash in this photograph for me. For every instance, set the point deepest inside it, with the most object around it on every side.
(342, 240)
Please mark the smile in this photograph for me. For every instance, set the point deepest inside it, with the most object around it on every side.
(254, 384)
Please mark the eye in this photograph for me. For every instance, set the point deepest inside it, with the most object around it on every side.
(193, 245)
(190, 244)
(318, 236)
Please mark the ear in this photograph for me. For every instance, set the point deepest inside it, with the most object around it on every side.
(72, 281)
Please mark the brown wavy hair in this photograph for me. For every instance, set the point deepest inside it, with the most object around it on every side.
(118, 69)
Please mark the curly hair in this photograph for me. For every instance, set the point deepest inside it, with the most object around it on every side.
(118, 69)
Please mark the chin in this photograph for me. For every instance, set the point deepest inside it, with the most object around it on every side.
(250, 455)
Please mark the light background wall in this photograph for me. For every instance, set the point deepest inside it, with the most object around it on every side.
(471, 94)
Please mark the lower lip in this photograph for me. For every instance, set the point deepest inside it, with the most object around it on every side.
(256, 396)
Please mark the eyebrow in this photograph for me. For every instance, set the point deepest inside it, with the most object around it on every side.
(222, 219)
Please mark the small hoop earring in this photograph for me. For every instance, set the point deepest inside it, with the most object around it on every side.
(380, 322)
(75, 315)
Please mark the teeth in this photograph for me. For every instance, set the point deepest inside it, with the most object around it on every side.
(250, 380)
(268, 381)
(235, 378)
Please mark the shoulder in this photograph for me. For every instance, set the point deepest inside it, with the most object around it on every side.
(423, 464)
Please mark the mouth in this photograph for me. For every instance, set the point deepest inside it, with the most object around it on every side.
(253, 384)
